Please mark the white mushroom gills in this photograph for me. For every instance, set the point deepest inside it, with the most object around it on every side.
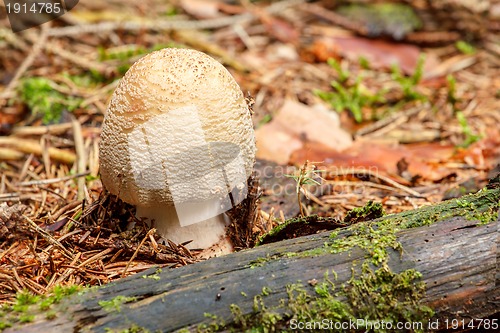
(177, 138)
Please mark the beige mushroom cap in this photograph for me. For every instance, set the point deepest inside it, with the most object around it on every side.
(177, 129)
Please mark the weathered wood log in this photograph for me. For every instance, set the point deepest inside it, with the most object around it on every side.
(453, 245)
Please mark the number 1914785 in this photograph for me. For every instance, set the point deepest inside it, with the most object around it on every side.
(34, 8)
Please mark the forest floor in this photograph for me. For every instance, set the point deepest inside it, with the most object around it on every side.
(397, 105)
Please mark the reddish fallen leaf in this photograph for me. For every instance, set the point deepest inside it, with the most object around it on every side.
(379, 53)
(484, 154)
(280, 29)
(423, 160)
(297, 125)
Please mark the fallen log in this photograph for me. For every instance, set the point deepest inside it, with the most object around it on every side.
(437, 267)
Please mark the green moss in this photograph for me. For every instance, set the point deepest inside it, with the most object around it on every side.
(279, 228)
(374, 294)
(392, 19)
(27, 306)
(266, 291)
(50, 315)
(154, 276)
(26, 318)
(262, 319)
(214, 325)
(384, 295)
(376, 236)
(135, 329)
(482, 205)
(40, 96)
(4, 325)
(375, 239)
(370, 211)
(116, 303)
(259, 262)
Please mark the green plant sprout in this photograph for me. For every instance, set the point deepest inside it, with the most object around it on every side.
(470, 136)
(408, 84)
(364, 62)
(267, 118)
(342, 73)
(40, 95)
(305, 176)
(452, 92)
(349, 97)
(465, 47)
(353, 96)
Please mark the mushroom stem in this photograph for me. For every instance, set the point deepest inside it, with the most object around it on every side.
(187, 223)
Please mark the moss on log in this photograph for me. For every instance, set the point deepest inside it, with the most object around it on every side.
(425, 266)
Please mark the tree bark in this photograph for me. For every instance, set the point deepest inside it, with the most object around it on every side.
(457, 257)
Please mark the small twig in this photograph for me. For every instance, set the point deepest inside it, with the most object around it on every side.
(166, 25)
(34, 287)
(312, 197)
(33, 147)
(383, 178)
(48, 237)
(3, 254)
(452, 65)
(150, 232)
(9, 197)
(8, 154)
(64, 209)
(53, 180)
(41, 130)
(398, 117)
(37, 47)
(364, 183)
(71, 268)
(333, 17)
(79, 61)
(80, 156)
(66, 273)
(95, 257)
(18, 279)
(194, 39)
(13, 39)
(45, 155)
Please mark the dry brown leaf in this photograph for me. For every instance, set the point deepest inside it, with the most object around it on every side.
(423, 159)
(379, 53)
(297, 125)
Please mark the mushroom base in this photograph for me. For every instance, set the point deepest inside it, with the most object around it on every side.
(204, 234)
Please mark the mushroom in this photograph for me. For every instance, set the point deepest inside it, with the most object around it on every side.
(178, 143)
